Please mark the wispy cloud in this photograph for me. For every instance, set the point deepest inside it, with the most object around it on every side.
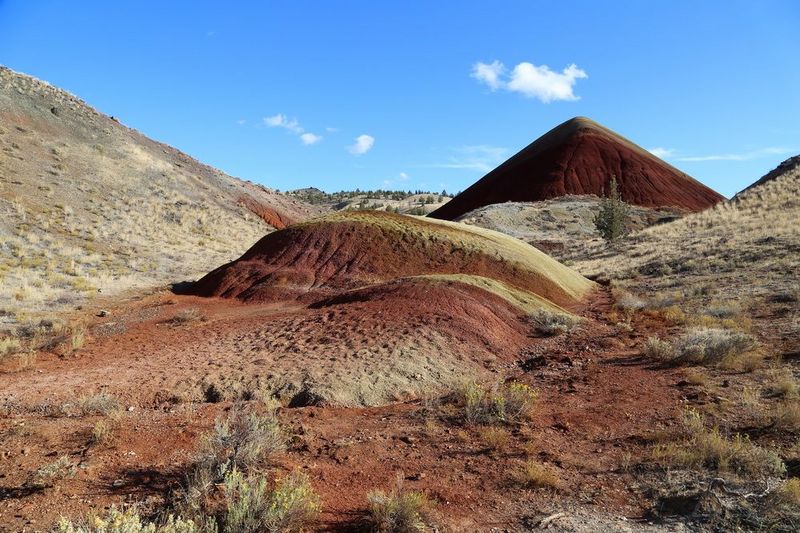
(661, 152)
(282, 121)
(363, 144)
(740, 156)
(482, 158)
(241, 122)
(530, 80)
(403, 176)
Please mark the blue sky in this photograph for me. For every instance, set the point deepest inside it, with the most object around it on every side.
(406, 95)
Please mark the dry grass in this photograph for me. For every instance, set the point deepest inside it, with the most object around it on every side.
(547, 322)
(88, 204)
(782, 383)
(538, 476)
(729, 349)
(99, 404)
(744, 249)
(398, 511)
(701, 447)
(508, 403)
(184, 316)
(243, 441)
(102, 432)
(496, 439)
(655, 348)
(50, 474)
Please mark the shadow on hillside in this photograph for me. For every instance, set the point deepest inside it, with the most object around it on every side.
(15, 493)
(143, 482)
(181, 287)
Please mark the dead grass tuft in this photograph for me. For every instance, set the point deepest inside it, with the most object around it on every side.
(538, 476)
(702, 447)
(399, 511)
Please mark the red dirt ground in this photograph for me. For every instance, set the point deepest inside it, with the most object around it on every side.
(580, 157)
(598, 402)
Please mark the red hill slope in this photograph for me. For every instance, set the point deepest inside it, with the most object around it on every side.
(579, 157)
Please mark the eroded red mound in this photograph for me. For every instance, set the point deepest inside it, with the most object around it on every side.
(342, 252)
(580, 157)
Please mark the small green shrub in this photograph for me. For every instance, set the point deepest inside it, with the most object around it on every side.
(713, 345)
(253, 508)
(398, 511)
(51, 473)
(655, 348)
(127, 521)
(99, 404)
(551, 323)
(243, 440)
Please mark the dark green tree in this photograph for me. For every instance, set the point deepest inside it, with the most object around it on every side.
(612, 219)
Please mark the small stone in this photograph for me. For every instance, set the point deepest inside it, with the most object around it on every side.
(103, 313)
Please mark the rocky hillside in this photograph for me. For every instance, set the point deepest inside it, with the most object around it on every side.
(404, 202)
(90, 205)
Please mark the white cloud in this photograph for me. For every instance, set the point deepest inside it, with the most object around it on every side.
(281, 121)
(741, 156)
(482, 158)
(403, 176)
(662, 153)
(489, 73)
(331, 130)
(310, 138)
(530, 80)
(241, 122)
(363, 144)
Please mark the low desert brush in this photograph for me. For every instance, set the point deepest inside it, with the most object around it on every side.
(399, 511)
(713, 345)
(243, 440)
(727, 348)
(702, 447)
(102, 432)
(655, 348)
(251, 507)
(551, 323)
(495, 438)
(783, 384)
(99, 404)
(508, 403)
(51, 473)
(190, 314)
(9, 346)
(535, 475)
(127, 521)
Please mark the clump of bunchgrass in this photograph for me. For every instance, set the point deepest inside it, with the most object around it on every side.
(703, 447)
(508, 403)
(398, 511)
(550, 323)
